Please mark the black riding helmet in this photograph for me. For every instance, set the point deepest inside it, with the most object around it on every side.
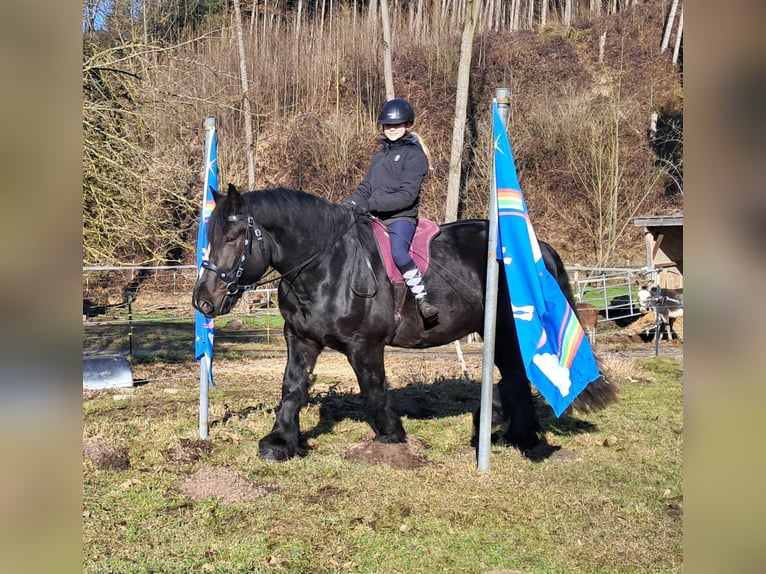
(396, 111)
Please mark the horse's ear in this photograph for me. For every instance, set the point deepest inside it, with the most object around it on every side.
(235, 199)
(217, 197)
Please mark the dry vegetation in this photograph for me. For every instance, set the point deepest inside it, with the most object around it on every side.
(155, 499)
(578, 124)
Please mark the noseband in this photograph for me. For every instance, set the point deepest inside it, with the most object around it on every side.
(231, 278)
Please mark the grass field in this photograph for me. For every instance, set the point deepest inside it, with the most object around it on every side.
(156, 499)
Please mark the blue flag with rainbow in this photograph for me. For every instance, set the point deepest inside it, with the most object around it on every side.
(557, 354)
(203, 332)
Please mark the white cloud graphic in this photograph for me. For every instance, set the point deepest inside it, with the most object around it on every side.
(556, 373)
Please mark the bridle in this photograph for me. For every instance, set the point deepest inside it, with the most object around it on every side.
(231, 278)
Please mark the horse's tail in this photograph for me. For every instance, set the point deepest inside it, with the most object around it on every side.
(596, 395)
(555, 265)
(599, 393)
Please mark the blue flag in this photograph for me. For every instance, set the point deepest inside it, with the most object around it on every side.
(203, 339)
(557, 354)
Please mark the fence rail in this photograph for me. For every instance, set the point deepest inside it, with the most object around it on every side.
(147, 310)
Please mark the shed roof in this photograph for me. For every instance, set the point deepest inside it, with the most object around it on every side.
(659, 220)
(664, 239)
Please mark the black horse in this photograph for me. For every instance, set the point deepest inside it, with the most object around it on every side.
(334, 292)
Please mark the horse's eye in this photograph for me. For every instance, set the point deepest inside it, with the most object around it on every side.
(231, 238)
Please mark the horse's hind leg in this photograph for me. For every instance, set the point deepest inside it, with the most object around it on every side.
(512, 403)
(370, 372)
(283, 441)
(515, 390)
(523, 430)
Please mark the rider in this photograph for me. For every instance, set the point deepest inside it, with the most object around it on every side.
(391, 191)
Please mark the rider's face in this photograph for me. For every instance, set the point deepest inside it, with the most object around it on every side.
(394, 131)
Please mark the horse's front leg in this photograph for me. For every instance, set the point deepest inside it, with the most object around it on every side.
(370, 372)
(283, 441)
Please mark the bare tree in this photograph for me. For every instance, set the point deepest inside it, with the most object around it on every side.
(612, 185)
(567, 14)
(247, 115)
(472, 14)
(669, 25)
(388, 73)
(679, 36)
(134, 201)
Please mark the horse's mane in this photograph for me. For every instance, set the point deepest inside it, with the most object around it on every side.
(297, 211)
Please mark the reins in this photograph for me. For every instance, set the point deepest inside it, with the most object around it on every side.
(231, 278)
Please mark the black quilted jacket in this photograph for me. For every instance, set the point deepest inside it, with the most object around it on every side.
(393, 180)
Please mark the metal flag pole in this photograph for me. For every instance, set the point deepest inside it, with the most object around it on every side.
(502, 97)
(204, 385)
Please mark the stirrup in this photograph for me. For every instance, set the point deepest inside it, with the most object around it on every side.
(427, 311)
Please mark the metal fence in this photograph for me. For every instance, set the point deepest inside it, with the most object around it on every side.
(147, 310)
(612, 289)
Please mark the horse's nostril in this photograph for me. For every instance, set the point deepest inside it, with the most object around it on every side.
(203, 306)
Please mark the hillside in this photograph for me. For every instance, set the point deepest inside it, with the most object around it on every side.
(578, 126)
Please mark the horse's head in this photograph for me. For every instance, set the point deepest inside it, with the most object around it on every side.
(238, 255)
(646, 298)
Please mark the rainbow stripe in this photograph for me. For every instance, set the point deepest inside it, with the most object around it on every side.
(570, 337)
(207, 208)
(509, 200)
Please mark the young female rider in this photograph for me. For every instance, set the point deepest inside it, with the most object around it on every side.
(391, 191)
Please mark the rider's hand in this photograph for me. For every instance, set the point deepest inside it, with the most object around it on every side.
(358, 205)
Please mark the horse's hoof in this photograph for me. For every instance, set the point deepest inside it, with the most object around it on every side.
(273, 454)
(390, 439)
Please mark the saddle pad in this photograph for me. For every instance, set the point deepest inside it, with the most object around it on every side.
(419, 248)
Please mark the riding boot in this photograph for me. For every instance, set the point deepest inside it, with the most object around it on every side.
(414, 280)
(427, 311)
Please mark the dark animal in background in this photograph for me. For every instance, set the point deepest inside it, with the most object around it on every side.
(621, 310)
(588, 316)
(334, 293)
(668, 304)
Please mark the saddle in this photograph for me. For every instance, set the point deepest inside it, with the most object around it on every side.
(425, 231)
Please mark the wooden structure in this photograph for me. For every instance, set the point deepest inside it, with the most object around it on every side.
(664, 248)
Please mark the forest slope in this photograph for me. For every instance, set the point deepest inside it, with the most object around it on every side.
(579, 120)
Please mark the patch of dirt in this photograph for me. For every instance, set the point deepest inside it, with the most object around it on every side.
(407, 456)
(565, 454)
(106, 457)
(189, 450)
(224, 483)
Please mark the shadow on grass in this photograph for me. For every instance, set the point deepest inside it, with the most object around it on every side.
(442, 398)
(166, 338)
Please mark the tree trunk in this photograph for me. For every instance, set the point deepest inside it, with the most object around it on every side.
(679, 36)
(372, 14)
(601, 46)
(388, 73)
(669, 25)
(245, 98)
(531, 14)
(298, 19)
(472, 12)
